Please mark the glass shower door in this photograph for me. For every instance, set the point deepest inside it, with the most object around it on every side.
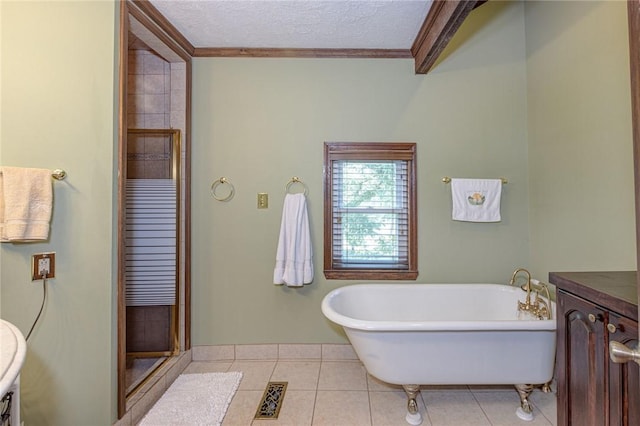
(152, 250)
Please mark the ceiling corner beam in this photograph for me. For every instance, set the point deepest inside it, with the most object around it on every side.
(163, 23)
(442, 21)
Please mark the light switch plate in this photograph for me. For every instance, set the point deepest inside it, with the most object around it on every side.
(263, 200)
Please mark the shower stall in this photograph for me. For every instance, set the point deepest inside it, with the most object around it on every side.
(152, 250)
(153, 289)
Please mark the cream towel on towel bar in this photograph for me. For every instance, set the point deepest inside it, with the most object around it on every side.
(294, 265)
(26, 200)
(476, 200)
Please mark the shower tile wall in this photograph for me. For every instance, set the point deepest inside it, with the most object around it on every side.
(149, 157)
(149, 87)
(148, 328)
(178, 95)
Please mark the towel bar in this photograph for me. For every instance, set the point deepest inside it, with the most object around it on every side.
(57, 174)
(447, 179)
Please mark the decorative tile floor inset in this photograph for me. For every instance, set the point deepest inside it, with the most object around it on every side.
(271, 401)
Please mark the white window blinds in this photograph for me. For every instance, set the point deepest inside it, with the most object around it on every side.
(370, 211)
(370, 214)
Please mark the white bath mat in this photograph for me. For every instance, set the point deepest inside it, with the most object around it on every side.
(194, 399)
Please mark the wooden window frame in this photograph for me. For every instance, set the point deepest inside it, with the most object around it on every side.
(371, 151)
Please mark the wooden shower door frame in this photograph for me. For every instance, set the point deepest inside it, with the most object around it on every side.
(150, 19)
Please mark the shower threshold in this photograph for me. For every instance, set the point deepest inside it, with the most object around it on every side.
(139, 369)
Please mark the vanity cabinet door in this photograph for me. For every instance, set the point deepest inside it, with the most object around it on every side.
(624, 383)
(581, 363)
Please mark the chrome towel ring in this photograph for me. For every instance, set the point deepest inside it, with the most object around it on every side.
(293, 181)
(222, 181)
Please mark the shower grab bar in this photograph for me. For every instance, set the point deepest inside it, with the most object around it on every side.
(447, 179)
(295, 180)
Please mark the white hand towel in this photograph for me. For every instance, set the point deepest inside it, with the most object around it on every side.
(26, 204)
(476, 200)
(294, 265)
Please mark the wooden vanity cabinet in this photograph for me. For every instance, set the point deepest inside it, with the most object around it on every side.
(593, 309)
(580, 362)
(624, 379)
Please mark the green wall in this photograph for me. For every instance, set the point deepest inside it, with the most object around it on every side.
(580, 143)
(57, 102)
(545, 105)
(259, 122)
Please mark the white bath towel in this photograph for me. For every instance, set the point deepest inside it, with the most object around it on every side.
(26, 201)
(294, 265)
(476, 200)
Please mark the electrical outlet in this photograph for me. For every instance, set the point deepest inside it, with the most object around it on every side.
(43, 265)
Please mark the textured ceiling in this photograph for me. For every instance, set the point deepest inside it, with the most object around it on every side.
(310, 24)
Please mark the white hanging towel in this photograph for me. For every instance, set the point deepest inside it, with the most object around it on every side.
(26, 201)
(294, 265)
(476, 200)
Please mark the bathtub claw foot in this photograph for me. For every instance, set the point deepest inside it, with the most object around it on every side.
(546, 388)
(413, 415)
(525, 411)
(413, 419)
(523, 415)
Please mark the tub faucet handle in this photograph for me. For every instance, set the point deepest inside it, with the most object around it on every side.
(526, 287)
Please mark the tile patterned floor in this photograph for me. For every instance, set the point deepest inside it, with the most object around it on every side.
(341, 393)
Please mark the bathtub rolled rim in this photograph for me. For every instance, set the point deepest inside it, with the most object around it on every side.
(463, 325)
(457, 326)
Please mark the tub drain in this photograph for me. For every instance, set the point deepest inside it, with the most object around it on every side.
(271, 401)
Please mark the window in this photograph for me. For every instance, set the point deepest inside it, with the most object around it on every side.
(370, 225)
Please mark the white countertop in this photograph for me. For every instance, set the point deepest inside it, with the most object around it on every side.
(13, 350)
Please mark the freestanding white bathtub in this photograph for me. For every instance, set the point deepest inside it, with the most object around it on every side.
(446, 334)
